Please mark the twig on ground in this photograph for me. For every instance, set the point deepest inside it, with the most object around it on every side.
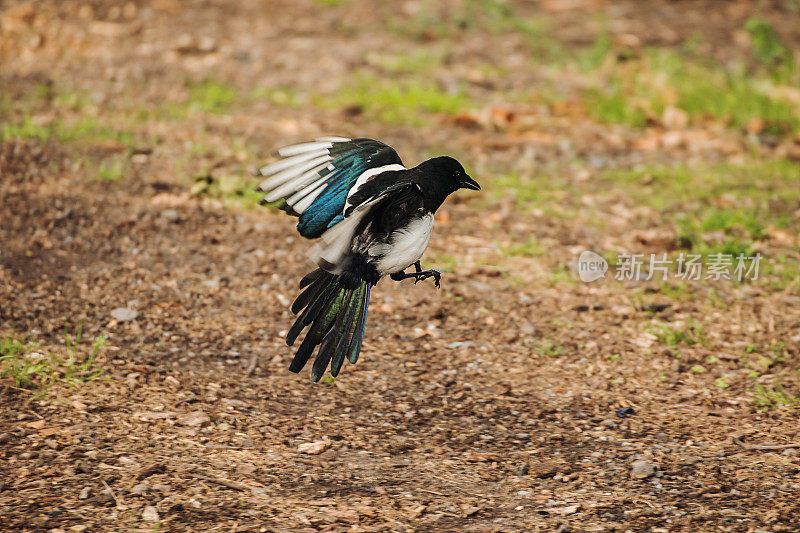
(433, 492)
(149, 470)
(251, 366)
(19, 389)
(111, 492)
(766, 447)
(226, 482)
(462, 490)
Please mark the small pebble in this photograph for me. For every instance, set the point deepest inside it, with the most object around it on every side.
(642, 469)
(170, 215)
(150, 514)
(140, 489)
(104, 497)
(624, 412)
(313, 448)
(245, 468)
(195, 418)
(123, 314)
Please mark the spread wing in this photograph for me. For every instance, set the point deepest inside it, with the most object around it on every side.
(371, 198)
(313, 179)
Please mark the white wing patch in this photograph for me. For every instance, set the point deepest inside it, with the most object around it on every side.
(303, 203)
(337, 242)
(297, 176)
(283, 164)
(302, 148)
(368, 175)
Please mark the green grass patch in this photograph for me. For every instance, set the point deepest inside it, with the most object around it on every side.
(82, 129)
(208, 96)
(689, 334)
(548, 348)
(531, 247)
(410, 102)
(770, 397)
(417, 61)
(641, 86)
(229, 189)
(717, 209)
(770, 51)
(114, 168)
(543, 190)
(29, 368)
(676, 290)
(781, 272)
(736, 99)
(441, 261)
(591, 58)
(282, 96)
(612, 104)
(434, 20)
(561, 275)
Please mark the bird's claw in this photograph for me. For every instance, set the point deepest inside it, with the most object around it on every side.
(435, 274)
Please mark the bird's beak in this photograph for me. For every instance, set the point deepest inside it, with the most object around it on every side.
(469, 183)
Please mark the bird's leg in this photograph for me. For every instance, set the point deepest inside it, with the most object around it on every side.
(418, 275)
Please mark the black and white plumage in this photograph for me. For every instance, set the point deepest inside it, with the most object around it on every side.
(374, 218)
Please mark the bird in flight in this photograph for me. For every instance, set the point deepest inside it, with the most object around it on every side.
(374, 218)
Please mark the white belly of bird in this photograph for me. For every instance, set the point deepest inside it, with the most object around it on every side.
(405, 246)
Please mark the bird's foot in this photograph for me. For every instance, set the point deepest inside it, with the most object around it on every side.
(425, 274)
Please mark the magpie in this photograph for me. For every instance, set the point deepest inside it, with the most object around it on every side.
(374, 218)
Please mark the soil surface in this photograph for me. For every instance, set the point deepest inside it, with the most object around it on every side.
(453, 419)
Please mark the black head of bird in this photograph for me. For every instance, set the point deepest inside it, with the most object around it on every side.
(439, 177)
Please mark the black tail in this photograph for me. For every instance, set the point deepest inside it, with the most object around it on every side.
(337, 314)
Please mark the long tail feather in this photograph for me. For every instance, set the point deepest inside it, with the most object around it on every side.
(311, 291)
(311, 312)
(347, 331)
(329, 340)
(358, 336)
(336, 313)
(329, 350)
(311, 276)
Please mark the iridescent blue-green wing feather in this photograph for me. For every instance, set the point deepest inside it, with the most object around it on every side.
(313, 179)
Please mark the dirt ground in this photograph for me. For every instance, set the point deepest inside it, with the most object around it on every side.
(457, 417)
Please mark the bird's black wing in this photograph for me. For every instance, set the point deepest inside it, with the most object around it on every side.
(314, 178)
(381, 186)
(368, 203)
